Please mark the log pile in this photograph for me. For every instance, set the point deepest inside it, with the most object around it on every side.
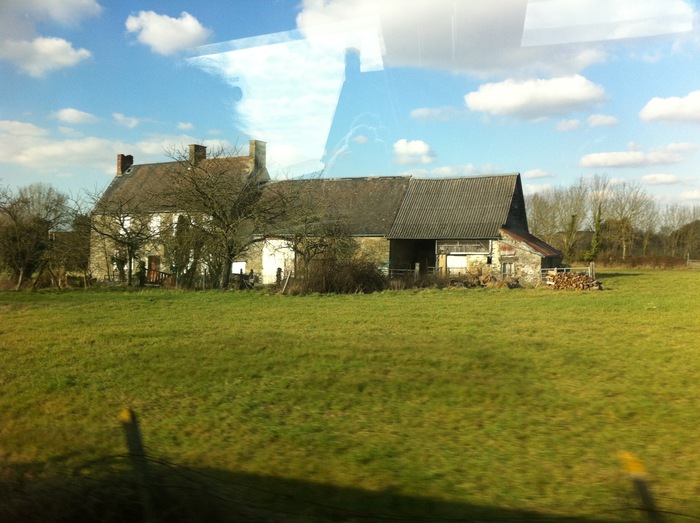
(572, 280)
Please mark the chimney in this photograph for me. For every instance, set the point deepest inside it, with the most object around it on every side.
(124, 161)
(258, 154)
(197, 153)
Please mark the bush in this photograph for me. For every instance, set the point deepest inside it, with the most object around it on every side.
(344, 277)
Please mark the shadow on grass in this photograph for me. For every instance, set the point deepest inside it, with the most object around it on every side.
(107, 491)
(605, 275)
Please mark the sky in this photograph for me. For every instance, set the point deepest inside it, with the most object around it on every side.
(557, 90)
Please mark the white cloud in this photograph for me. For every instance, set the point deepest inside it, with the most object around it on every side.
(534, 174)
(38, 55)
(42, 55)
(28, 146)
(564, 21)
(166, 35)
(482, 38)
(19, 19)
(601, 120)
(74, 116)
(412, 152)
(14, 128)
(185, 126)
(660, 179)
(634, 157)
(292, 84)
(455, 170)
(568, 125)
(126, 121)
(529, 188)
(690, 196)
(673, 109)
(65, 12)
(440, 114)
(532, 99)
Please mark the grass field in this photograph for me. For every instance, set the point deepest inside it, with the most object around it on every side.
(470, 405)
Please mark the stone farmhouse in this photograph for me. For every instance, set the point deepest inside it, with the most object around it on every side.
(445, 226)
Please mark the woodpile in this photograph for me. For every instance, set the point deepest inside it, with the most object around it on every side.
(572, 280)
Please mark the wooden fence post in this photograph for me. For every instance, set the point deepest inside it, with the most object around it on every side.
(635, 468)
(139, 461)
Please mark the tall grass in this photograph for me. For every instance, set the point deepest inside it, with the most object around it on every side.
(490, 399)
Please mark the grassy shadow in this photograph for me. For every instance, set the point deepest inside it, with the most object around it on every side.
(107, 491)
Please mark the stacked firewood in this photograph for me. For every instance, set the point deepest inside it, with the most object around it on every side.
(572, 280)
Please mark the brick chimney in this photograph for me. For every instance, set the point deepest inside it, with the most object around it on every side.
(124, 161)
(197, 153)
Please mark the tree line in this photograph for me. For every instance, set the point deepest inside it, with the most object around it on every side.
(599, 219)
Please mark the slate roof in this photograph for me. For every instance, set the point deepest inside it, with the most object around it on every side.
(149, 186)
(457, 208)
(368, 206)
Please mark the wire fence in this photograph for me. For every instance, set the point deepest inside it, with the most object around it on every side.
(139, 487)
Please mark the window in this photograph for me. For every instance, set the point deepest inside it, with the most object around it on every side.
(463, 246)
(507, 268)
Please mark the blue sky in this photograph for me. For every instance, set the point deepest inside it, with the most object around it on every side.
(553, 89)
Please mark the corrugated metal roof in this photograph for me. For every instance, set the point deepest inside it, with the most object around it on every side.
(455, 208)
(534, 243)
(367, 206)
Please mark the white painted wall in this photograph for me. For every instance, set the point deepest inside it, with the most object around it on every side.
(276, 253)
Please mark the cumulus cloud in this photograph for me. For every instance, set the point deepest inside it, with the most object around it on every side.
(41, 55)
(74, 116)
(660, 179)
(291, 85)
(690, 196)
(529, 188)
(445, 113)
(532, 99)
(126, 121)
(482, 38)
(14, 128)
(568, 125)
(564, 21)
(534, 174)
(673, 110)
(635, 157)
(38, 55)
(185, 126)
(412, 152)
(601, 120)
(31, 147)
(166, 35)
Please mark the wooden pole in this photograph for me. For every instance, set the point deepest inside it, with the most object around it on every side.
(139, 462)
(635, 468)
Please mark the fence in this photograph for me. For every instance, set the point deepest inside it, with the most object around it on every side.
(693, 264)
(589, 271)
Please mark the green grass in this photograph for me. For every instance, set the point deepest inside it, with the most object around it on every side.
(509, 404)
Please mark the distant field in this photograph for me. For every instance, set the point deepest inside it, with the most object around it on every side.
(472, 405)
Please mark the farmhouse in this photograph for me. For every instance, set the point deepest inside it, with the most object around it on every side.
(446, 226)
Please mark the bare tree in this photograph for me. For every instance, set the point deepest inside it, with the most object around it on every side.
(26, 219)
(628, 204)
(597, 203)
(128, 224)
(223, 199)
(558, 214)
